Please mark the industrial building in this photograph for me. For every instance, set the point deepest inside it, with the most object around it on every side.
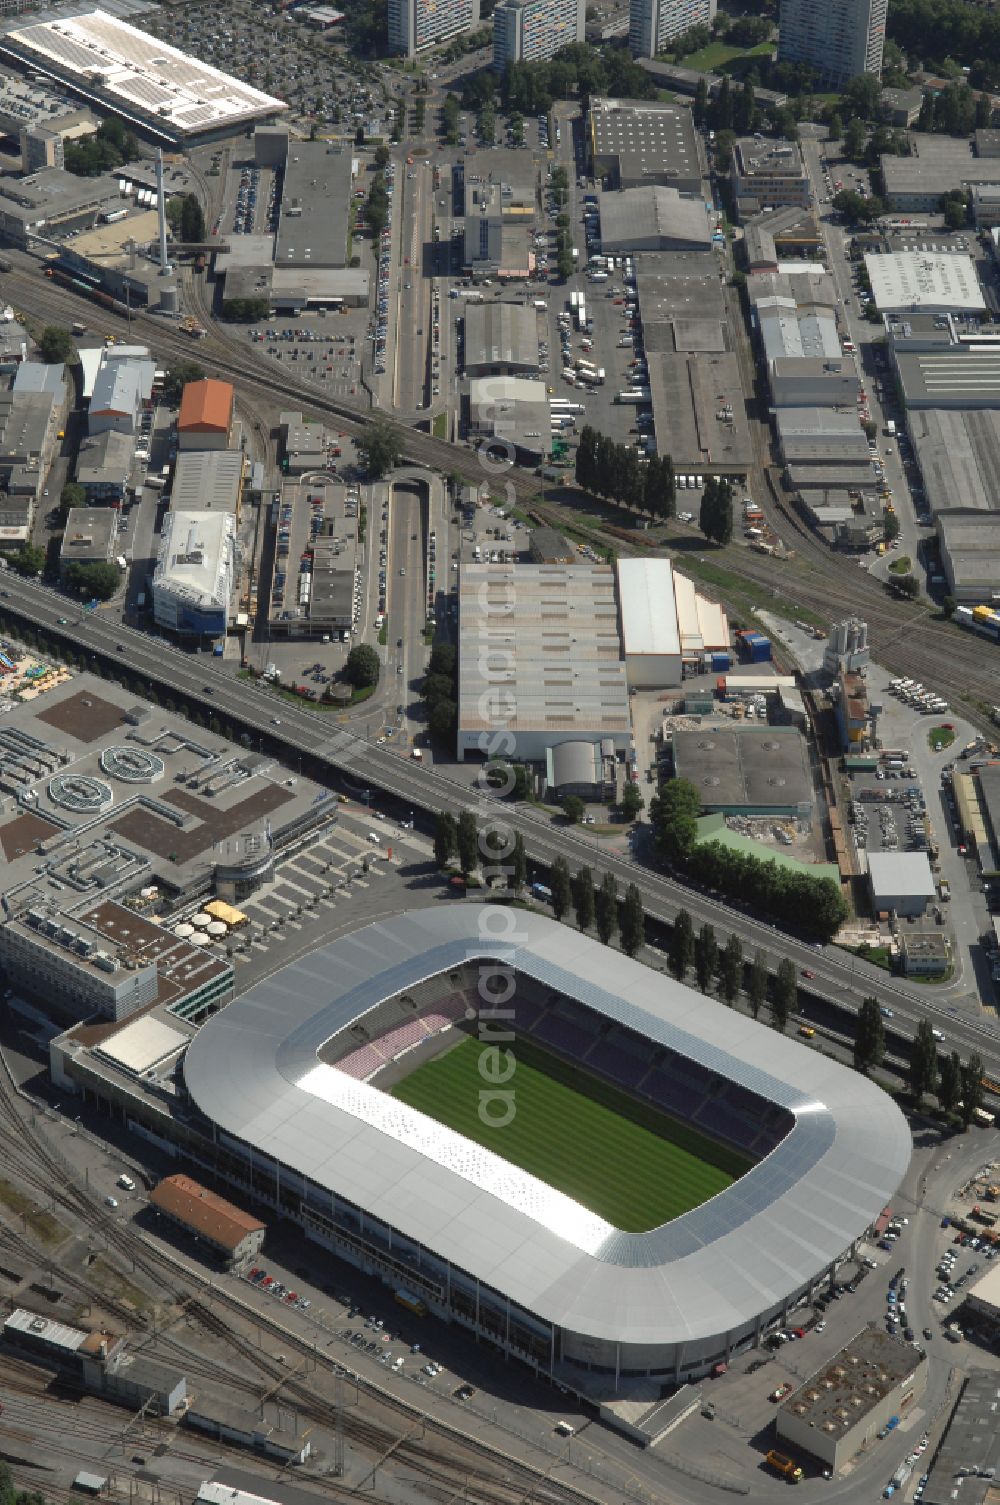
(653, 24)
(665, 623)
(52, 203)
(556, 674)
(415, 25)
(698, 401)
(969, 541)
(653, 219)
(208, 480)
(746, 769)
(844, 1406)
(119, 69)
(90, 536)
(97, 1360)
(954, 375)
(513, 411)
(551, 1282)
(123, 388)
(768, 175)
(965, 1468)
(104, 466)
(528, 31)
(924, 281)
(501, 339)
(195, 569)
(956, 450)
(822, 436)
(587, 769)
(836, 39)
(636, 144)
(797, 333)
(915, 184)
(547, 546)
(813, 381)
(205, 418)
(983, 1301)
(315, 206)
(901, 883)
(227, 1230)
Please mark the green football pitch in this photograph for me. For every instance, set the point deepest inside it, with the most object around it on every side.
(625, 1160)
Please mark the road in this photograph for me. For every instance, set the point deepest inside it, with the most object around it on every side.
(413, 287)
(837, 977)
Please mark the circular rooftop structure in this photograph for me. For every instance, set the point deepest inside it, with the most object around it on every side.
(132, 765)
(81, 793)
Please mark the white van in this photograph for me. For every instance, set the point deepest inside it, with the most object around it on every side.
(564, 1429)
(125, 1182)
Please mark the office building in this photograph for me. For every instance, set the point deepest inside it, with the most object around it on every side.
(415, 25)
(768, 175)
(653, 24)
(837, 38)
(193, 580)
(528, 31)
(90, 537)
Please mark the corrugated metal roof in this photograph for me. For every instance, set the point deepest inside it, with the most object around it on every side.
(646, 602)
(255, 1071)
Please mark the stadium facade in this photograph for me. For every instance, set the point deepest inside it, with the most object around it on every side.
(276, 1099)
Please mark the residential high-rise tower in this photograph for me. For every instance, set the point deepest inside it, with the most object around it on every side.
(653, 24)
(415, 25)
(838, 38)
(526, 31)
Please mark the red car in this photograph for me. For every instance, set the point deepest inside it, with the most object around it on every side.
(799, 1332)
(806, 972)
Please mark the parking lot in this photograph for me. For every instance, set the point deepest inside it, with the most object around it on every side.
(317, 346)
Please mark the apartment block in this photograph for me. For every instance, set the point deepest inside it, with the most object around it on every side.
(838, 38)
(415, 25)
(528, 31)
(653, 24)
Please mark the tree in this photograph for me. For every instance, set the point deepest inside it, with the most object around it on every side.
(731, 969)
(177, 377)
(700, 107)
(632, 800)
(955, 213)
(441, 720)
(869, 1037)
(785, 995)
(518, 864)
(8, 1494)
(757, 987)
(706, 956)
(950, 1082)
(574, 809)
(468, 843)
(561, 886)
(907, 585)
(633, 921)
(972, 1089)
(381, 446)
(680, 953)
(362, 667)
(863, 96)
(855, 140)
(674, 812)
(445, 839)
(381, 156)
(95, 579)
(606, 908)
(583, 898)
(72, 495)
(890, 526)
(28, 560)
(54, 344)
(192, 220)
(835, 127)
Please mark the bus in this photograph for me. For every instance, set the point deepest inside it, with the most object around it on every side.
(412, 1303)
(983, 1120)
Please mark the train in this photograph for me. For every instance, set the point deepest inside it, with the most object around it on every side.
(88, 289)
(980, 619)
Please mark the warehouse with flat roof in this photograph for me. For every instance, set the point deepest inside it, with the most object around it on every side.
(746, 770)
(843, 1406)
(501, 339)
(145, 81)
(787, 331)
(933, 282)
(901, 882)
(208, 480)
(664, 621)
(970, 554)
(952, 375)
(653, 219)
(934, 166)
(540, 658)
(637, 143)
(956, 452)
(315, 206)
(698, 402)
(967, 1463)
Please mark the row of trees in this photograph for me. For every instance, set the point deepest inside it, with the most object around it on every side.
(439, 692)
(245, 310)
(599, 906)
(715, 517)
(937, 31)
(729, 109)
(186, 218)
(794, 897)
(608, 469)
(109, 147)
(727, 969)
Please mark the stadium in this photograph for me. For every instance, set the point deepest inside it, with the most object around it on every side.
(592, 1166)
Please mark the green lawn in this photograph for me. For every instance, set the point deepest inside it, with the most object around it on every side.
(717, 54)
(621, 1158)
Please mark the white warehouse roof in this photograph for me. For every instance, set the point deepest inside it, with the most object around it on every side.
(910, 281)
(648, 611)
(901, 874)
(196, 557)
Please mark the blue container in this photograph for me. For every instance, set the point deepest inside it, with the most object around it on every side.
(720, 662)
(760, 650)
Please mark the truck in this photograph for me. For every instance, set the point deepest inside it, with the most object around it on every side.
(411, 1302)
(890, 428)
(783, 1465)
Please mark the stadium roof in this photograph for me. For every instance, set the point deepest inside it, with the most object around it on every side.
(102, 55)
(255, 1071)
